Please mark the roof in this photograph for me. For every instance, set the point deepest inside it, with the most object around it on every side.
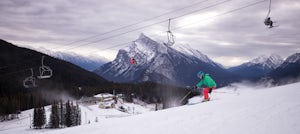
(104, 95)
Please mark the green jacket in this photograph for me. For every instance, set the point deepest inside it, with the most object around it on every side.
(207, 81)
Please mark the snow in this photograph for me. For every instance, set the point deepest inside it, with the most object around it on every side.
(104, 95)
(272, 61)
(188, 50)
(293, 58)
(233, 109)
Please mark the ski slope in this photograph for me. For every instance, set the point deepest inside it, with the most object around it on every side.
(233, 110)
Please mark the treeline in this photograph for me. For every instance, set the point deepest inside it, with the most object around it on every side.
(149, 92)
(62, 115)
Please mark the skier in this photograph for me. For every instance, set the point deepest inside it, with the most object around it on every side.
(207, 81)
(269, 22)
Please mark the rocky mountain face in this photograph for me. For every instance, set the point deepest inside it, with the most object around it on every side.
(159, 63)
(257, 67)
(289, 69)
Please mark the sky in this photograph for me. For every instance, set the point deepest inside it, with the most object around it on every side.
(229, 32)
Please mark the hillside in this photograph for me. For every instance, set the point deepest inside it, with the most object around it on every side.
(288, 71)
(15, 64)
(235, 109)
(258, 67)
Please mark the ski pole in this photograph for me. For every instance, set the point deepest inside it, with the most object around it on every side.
(185, 96)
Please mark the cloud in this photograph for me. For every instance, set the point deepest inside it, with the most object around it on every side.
(222, 31)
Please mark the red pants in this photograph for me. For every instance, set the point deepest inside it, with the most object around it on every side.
(206, 91)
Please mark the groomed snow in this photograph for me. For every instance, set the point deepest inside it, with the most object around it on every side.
(233, 110)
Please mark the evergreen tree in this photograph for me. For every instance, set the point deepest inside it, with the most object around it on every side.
(35, 118)
(39, 117)
(62, 115)
(68, 115)
(42, 116)
(78, 115)
(54, 117)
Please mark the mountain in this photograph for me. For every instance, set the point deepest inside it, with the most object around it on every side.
(257, 67)
(16, 64)
(290, 68)
(159, 63)
(89, 63)
(188, 50)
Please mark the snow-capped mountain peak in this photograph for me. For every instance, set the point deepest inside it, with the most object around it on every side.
(188, 50)
(90, 62)
(272, 61)
(157, 62)
(259, 60)
(295, 58)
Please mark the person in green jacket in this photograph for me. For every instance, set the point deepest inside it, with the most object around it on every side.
(207, 81)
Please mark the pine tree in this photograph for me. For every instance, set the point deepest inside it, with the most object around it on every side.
(39, 117)
(73, 114)
(35, 118)
(42, 116)
(62, 115)
(54, 117)
(68, 115)
(78, 115)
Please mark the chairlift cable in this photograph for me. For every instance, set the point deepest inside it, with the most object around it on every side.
(133, 24)
(121, 44)
(149, 25)
(113, 36)
(269, 9)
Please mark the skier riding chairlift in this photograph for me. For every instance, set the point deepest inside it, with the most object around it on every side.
(132, 61)
(268, 22)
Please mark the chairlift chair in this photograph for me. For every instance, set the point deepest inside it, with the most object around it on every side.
(29, 82)
(170, 36)
(136, 56)
(268, 21)
(45, 71)
(132, 54)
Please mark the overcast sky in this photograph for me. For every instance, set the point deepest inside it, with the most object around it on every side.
(230, 32)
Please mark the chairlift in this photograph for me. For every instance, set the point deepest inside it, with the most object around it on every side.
(132, 54)
(29, 82)
(170, 36)
(136, 56)
(268, 21)
(132, 61)
(45, 71)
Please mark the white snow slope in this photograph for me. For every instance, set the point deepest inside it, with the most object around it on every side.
(233, 110)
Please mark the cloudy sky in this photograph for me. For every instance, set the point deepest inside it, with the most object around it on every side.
(228, 31)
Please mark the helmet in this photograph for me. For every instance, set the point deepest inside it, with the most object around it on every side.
(200, 73)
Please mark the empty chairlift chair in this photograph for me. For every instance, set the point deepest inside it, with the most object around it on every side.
(45, 71)
(170, 36)
(29, 82)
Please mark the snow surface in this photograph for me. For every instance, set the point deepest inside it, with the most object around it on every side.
(236, 109)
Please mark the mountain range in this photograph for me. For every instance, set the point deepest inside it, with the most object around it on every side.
(178, 65)
(288, 71)
(90, 62)
(15, 66)
(159, 63)
(257, 67)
